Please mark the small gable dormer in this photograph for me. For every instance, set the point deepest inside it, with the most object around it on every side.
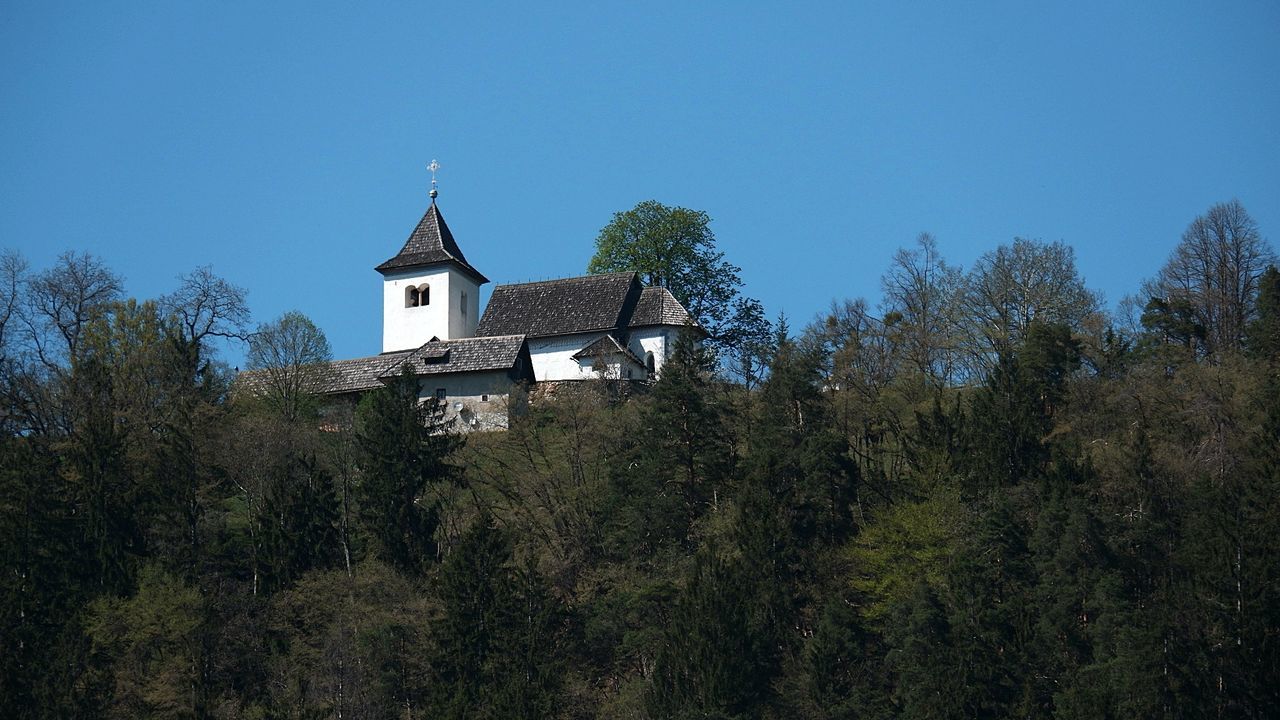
(429, 288)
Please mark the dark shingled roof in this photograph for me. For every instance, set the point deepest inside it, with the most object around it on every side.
(361, 373)
(428, 244)
(604, 347)
(561, 307)
(462, 355)
(434, 358)
(658, 306)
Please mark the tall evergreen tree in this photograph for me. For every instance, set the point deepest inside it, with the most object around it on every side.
(499, 640)
(402, 444)
(714, 662)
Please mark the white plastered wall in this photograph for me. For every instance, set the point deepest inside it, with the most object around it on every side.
(553, 357)
(404, 328)
(656, 340)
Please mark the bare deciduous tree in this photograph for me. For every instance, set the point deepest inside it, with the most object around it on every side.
(1009, 288)
(292, 355)
(1214, 271)
(920, 297)
(13, 269)
(62, 300)
(206, 306)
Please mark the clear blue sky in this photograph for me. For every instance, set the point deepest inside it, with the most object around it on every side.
(285, 143)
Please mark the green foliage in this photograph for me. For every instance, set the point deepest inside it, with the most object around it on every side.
(150, 644)
(715, 661)
(674, 248)
(859, 532)
(909, 543)
(402, 460)
(1264, 330)
(499, 634)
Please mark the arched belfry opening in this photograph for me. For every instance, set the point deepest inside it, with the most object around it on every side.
(417, 296)
(430, 260)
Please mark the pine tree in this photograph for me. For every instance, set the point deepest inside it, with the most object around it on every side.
(402, 446)
(499, 639)
(674, 471)
(714, 662)
(925, 666)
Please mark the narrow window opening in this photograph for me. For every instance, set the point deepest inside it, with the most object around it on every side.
(411, 297)
(649, 364)
(440, 393)
(464, 303)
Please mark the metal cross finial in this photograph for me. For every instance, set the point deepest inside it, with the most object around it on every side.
(433, 167)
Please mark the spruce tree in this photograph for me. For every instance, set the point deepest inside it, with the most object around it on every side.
(402, 449)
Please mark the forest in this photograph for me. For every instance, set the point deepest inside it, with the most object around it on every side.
(981, 494)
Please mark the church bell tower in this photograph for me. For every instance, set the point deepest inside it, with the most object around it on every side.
(429, 290)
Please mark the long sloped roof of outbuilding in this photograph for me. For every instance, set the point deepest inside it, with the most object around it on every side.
(437, 357)
(562, 307)
(359, 374)
(461, 355)
(430, 243)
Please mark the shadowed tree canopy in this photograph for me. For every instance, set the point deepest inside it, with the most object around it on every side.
(674, 248)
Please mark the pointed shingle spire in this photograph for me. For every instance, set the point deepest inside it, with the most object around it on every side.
(428, 244)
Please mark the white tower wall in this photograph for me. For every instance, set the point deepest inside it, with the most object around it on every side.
(405, 326)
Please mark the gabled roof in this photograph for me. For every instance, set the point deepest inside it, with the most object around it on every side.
(658, 306)
(430, 243)
(561, 307)
(437, 357)
(606, 346)
(461, 355)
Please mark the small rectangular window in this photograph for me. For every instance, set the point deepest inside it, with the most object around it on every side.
(484, 398)
(464, 303)
(439, 393)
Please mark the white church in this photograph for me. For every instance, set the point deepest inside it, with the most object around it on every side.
(572, 329)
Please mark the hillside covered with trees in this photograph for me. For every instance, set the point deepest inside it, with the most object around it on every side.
(979, 495)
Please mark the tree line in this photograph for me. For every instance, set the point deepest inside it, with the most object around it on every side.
(982, 495)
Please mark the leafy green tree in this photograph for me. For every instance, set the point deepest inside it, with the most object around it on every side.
(151, 643)
(402, 445)
(909, 542)
(674, 248)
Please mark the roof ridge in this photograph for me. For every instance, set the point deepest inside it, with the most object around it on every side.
(575, 278)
